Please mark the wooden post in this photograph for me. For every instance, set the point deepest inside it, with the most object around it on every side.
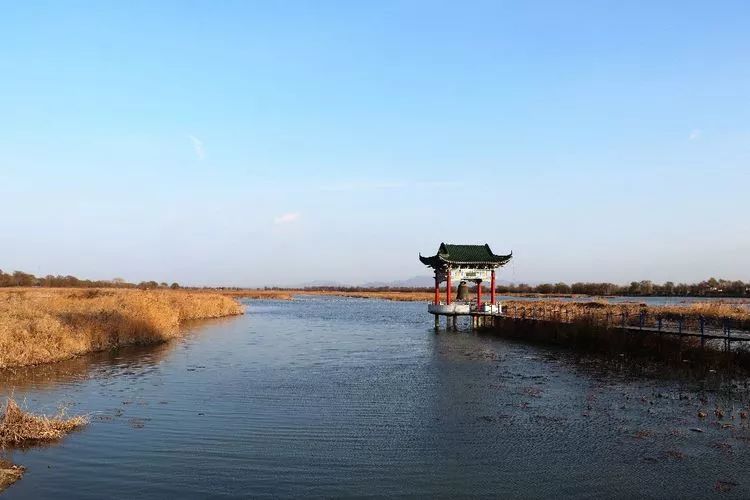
(492, 290)
(437, 290)
(479, 295)
(726, 332)
(448, 288)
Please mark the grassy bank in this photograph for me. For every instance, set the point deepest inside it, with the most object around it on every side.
(689, 314)
(42, 325)
(399, 296)
(573, 310)
(257, 294)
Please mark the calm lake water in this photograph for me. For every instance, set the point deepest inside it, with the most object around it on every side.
(343, 397)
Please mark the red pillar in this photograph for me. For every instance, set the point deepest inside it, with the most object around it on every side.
(479, 295)
(448, 288)
(437, 290)
(492, 291)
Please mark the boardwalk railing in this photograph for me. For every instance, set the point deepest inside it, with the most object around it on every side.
(706, 328)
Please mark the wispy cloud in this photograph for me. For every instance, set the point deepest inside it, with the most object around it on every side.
(364, 186)
(389, 185)
(438, 184)
(287, 218)
(200, 151)
(695, 134)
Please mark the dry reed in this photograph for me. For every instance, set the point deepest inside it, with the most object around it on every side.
(45, 325)
(397, 296)
(739, 314)
(709, 310)
(9, 473)
(249, 293)
(19, 428)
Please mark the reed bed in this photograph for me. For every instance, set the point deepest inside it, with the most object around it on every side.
(258, 294)
(42, 325)
(737, 313)
(397, 296)
(713, 312)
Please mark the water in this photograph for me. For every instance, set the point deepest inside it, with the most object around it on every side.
(341, 397)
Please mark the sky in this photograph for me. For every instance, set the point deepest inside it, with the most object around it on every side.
(251, 143)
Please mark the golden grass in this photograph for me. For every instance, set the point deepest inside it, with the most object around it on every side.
(19, 428)
(398, 296)
(713, 310)
(709, 310)
(42, 325)
(258, 294)
(9, 473)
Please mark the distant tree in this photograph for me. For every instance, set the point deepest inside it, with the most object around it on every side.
(23, 279)
(174, 286)
(523, 288)
(545, 288)
(646, 287)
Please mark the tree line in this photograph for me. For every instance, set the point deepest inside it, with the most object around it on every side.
(708, 288)
(19, 278)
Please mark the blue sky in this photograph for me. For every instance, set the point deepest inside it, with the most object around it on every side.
(253, 143)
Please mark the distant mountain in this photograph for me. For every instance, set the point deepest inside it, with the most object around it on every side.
(321, 283)
(414, 282)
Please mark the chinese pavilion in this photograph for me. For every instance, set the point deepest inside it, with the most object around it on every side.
(463, 263)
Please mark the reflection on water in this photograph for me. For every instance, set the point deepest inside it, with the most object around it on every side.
(128, 361)
(125, 361)
(338, 397)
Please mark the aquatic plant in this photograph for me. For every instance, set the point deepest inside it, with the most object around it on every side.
(20, 428)
(9, 473)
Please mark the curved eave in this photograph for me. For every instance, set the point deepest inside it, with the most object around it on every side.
(433, 261)
(438, 261)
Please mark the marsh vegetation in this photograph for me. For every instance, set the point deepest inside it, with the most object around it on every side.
(20, 429)
(42, 325)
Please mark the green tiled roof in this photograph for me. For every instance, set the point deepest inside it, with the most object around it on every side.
(465, 254)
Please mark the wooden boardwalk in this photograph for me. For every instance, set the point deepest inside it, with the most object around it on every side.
(705, 329)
